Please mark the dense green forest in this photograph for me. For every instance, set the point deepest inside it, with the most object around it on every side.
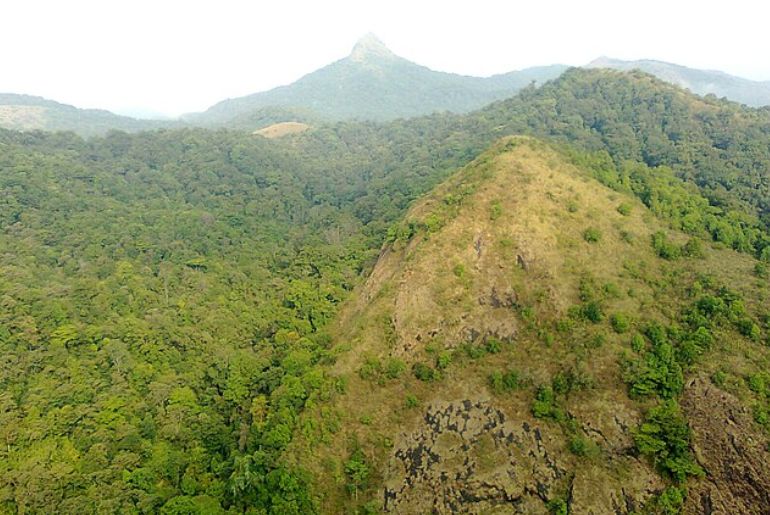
(163, 295)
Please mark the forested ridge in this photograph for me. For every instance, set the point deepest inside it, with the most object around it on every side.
(163, 295)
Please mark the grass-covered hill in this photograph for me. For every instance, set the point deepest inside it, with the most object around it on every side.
(532, 341)
(170, 300)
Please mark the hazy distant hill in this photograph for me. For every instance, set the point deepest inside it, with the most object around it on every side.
(373, 83)
(702, 82)
(26, 112)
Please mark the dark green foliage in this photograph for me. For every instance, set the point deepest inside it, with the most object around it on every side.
(592, 235)
(657, 371)
(546, 405)
(503, 382)
(175, 285)
(664, 248)
(557, 507)
(592, 311)
(425, 372)
(570, 380)
(474, 351)
(373, 370)
(664, 436)
(580, 446)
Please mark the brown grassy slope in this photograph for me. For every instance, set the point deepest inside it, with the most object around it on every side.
(278, 130)
(502, 261)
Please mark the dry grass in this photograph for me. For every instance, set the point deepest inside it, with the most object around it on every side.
(278, 130)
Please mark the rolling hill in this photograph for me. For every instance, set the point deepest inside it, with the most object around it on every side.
(25, 112)
(521, 342)
(372, 83)
(700, 82)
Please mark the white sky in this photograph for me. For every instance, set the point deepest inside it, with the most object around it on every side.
(170, 56)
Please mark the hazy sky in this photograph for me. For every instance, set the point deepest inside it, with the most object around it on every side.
(179, 56)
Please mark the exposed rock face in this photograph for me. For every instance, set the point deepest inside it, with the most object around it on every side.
(731, 451)
(500, 298)
(469, 457)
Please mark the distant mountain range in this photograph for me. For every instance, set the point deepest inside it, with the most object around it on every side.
(26, 112)
(372, 83)
(700, 82)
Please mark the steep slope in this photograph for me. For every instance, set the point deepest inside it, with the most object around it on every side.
(373, 83)
(24, 112)
(512, 350)
(701, 82)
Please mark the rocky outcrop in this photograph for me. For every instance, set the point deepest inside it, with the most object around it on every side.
(730, 449)
(469, 457)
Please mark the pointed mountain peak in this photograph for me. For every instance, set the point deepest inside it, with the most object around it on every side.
(368, 47)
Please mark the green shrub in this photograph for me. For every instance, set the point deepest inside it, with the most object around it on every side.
(761, 415)
(357, 473)
(411, 401)
(620, 323)
(371, 370)
(693, 248)
(656, 372)
(669, 502)
(592, 235)
(664, 248)
(424, 372)
(664, 436)
(493, 345)
(545, 405)
(748, 328)
(580, 445)
(624, 209)
(474, 351)
(394, 368)
(504, 382)
(443, 360)
(592, 311)
(719, 377)
(557, 507)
